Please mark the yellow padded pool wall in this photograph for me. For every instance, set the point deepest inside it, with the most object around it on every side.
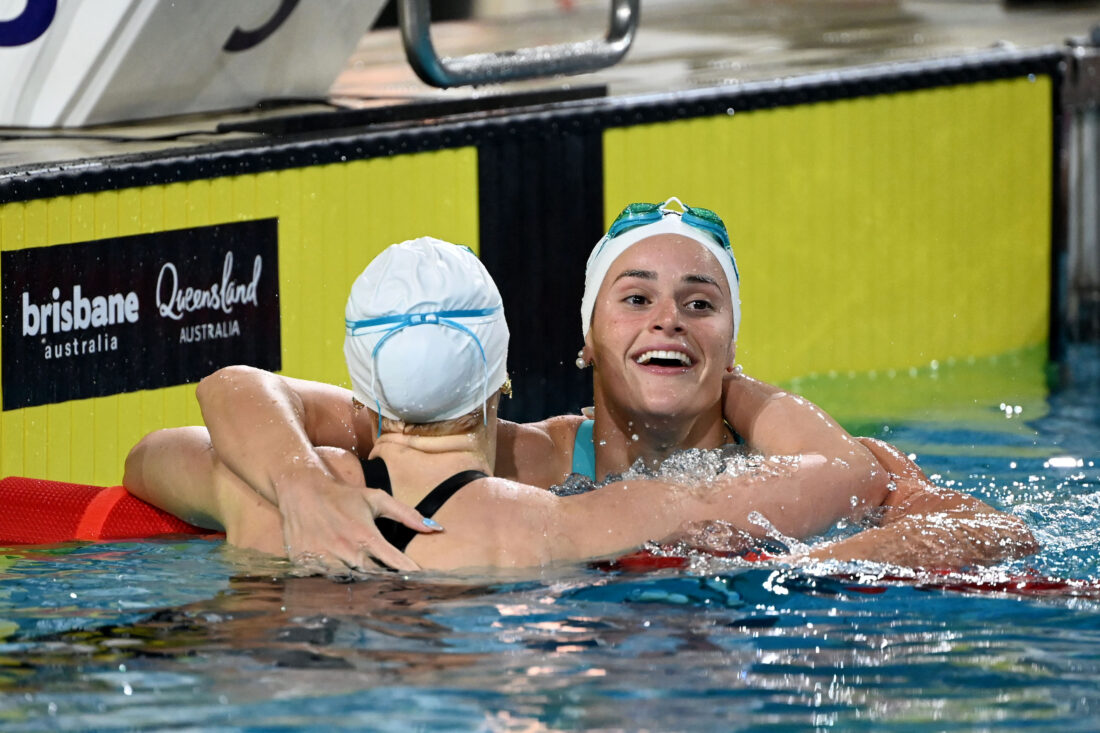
(873, 233)
(331, 220)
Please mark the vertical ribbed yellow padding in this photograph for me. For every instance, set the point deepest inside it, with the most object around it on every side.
(873, 233)
(337, 227)
(332, 220)
(128, 407)
(59, 421)
(177, 400)
(153, 413)
(12, 433)
(35, 220)
(108, 450)
(82, 228)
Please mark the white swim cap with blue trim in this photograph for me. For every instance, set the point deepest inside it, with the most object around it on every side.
(608, 249)
(426, 338)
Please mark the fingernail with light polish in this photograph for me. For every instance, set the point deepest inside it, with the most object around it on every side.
(432, 524)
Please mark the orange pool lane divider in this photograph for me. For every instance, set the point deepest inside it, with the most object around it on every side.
(42, 512)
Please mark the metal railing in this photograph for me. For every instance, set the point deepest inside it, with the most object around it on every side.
(522, 63)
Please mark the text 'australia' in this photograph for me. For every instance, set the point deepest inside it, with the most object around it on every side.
(208, 331)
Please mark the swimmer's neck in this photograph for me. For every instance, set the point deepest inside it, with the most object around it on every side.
(657, 437)
(418, 463)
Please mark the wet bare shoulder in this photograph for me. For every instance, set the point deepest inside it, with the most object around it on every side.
(490, 523)
(539, 453)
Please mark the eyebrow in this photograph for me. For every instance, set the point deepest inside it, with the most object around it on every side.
(643, 274)
(703, 279)
(651, 275)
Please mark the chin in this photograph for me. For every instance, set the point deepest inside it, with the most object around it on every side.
(669, 408)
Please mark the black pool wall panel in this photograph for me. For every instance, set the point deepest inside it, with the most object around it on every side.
(541, 212)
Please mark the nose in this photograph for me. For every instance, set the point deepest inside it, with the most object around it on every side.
(667, 317)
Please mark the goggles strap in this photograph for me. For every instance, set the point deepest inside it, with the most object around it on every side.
(413, 319)
(664, 206)
(397, 323)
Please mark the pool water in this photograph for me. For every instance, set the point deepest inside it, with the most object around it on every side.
(192, 634)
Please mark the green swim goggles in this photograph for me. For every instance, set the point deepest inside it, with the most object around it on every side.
(639, 214)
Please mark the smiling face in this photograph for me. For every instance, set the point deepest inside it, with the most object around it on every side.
(661, 338)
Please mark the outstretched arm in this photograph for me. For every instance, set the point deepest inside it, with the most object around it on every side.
(778, 423)
(922, 526)
(775, 422)
(926, 526)
(499, 523)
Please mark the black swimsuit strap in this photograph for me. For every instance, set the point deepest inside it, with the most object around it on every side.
(399, 535)
(438, 496)
(377, 475)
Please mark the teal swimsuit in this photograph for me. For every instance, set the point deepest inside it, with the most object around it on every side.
(584, 449)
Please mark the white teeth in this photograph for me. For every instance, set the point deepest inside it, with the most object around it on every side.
(670, 355)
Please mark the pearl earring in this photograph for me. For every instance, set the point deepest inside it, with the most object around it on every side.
(580, 362)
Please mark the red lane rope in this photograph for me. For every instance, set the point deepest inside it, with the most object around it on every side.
(1029, 583)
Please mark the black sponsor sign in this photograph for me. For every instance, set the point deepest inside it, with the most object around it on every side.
(152, 310)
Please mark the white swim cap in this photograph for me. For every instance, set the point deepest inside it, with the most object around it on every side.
(641, 221)
(426, 338)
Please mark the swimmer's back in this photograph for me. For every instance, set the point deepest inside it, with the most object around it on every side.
(540, 453)
(489, 523)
